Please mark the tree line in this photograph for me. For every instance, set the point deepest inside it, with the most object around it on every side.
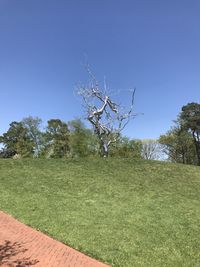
(181, 144)
(63, 140)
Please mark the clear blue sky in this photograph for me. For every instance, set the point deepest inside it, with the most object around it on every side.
(151, 45)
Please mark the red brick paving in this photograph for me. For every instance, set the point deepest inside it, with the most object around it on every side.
(22, 246)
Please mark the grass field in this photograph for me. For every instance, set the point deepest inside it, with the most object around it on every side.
(123, 212)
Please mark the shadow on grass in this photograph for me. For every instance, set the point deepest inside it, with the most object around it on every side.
(9, 255)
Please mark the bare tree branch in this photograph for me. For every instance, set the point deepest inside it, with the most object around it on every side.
(107, 117)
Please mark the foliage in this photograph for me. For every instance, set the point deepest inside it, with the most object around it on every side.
(17, 141)
(190, 120)
(182, 142)
(178, 145)
(57, 138)
(6, 152)
(122, 211)
(126, 148)
(61, 140)
(82, 141)
(33, 127)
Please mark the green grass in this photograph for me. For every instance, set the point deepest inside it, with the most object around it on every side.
(123, 212)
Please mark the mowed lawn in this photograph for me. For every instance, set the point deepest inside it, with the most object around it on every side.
(123, 212)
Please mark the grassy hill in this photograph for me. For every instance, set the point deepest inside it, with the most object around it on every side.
(124, 212)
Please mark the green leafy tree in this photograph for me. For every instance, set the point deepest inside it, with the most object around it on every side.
(126, 147)
(17, 141)
(57, 139)
(33, 124)
(178, 145)
(82, 141)
(190, 120)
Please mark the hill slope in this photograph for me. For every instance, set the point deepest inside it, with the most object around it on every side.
(123, 212)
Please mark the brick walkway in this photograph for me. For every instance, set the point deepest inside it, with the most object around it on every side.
(22, 246)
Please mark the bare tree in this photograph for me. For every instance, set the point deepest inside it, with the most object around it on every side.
(151, 149)
(107, 117)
